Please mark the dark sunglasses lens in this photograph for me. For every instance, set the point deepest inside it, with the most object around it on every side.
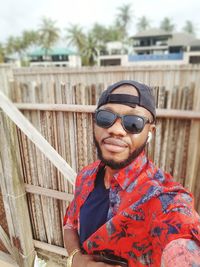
(133, 124)
(105, 118)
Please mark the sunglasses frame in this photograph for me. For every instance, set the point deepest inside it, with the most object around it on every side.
(145, 120)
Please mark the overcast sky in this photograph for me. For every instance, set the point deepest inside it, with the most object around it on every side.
(19, 15)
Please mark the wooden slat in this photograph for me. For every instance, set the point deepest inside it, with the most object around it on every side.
(7, 261)
(161, 113)
(33, 189)
(17, 117)
(56, 107)
(50, 248)
(6, 242)
(178, 114)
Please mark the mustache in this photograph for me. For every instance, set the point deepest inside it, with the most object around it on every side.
(115, 140)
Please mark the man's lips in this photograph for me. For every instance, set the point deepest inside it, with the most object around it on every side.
(114, 144)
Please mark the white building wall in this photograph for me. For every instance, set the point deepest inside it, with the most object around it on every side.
(123, 58)
(74, 61)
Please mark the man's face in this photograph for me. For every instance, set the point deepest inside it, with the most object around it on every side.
(117, 147)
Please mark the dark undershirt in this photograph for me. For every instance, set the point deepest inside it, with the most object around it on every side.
(93, 213)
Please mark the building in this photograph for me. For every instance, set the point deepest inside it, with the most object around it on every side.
(154, 46)
(59, 57)
(157, 46)
(114, 54)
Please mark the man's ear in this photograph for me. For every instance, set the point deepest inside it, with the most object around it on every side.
(152, 128)
(149, 137)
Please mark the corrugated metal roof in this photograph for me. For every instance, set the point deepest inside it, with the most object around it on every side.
(52, 52)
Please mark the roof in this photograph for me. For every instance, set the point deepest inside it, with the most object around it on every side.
(181, 39)
(152, 32)
(195, 43)
(52, 52)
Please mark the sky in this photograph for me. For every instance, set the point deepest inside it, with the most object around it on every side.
(19, 15)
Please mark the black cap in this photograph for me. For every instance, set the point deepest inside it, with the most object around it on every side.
(144, 99)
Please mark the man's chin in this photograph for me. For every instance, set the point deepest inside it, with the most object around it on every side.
(116, 165)
(122, 161)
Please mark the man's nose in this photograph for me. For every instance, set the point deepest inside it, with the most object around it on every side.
(117, 128)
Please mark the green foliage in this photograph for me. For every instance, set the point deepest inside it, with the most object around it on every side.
(20, 44)
(167, 25)
(189, 27)
(30, 38)
(89, 52)
(2, 53)
(101, 33)
(15, 45)
(49, 33)
(76, 37)
(143, 24)
(123, 20)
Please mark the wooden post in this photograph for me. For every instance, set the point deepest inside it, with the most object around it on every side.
(6, 75)
(14, 195)
(20, 120)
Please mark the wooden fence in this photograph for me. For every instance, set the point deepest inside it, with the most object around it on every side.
(60, 107)
(168, 76)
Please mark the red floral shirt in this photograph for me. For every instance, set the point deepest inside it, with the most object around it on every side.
(149, 211)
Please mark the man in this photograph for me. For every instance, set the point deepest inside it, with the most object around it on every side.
(126, 211)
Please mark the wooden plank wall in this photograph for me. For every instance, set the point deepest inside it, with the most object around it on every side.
(169, 76)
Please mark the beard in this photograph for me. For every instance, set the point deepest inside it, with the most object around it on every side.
(119, 165)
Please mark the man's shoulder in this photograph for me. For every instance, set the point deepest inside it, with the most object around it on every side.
(157, 177)
(157, 174)
(162, 176)
(164, 183)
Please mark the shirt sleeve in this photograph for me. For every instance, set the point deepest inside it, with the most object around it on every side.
(181, 253)
(173, 217)
(71, 218)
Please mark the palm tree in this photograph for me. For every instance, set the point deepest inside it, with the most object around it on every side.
(30, 38)
(15, 45)
(123, 19)
(76, 37)
(167, 25)
(49, 34)
(10, 45)
(89, 52)
(116, 33)
(189, 27)
(143, 24)
(100, 33)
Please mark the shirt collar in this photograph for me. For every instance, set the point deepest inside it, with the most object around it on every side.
(130, 173)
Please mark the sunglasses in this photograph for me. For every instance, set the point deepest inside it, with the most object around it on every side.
(131, 123)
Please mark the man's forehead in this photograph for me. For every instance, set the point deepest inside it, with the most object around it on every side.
(126, 89)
